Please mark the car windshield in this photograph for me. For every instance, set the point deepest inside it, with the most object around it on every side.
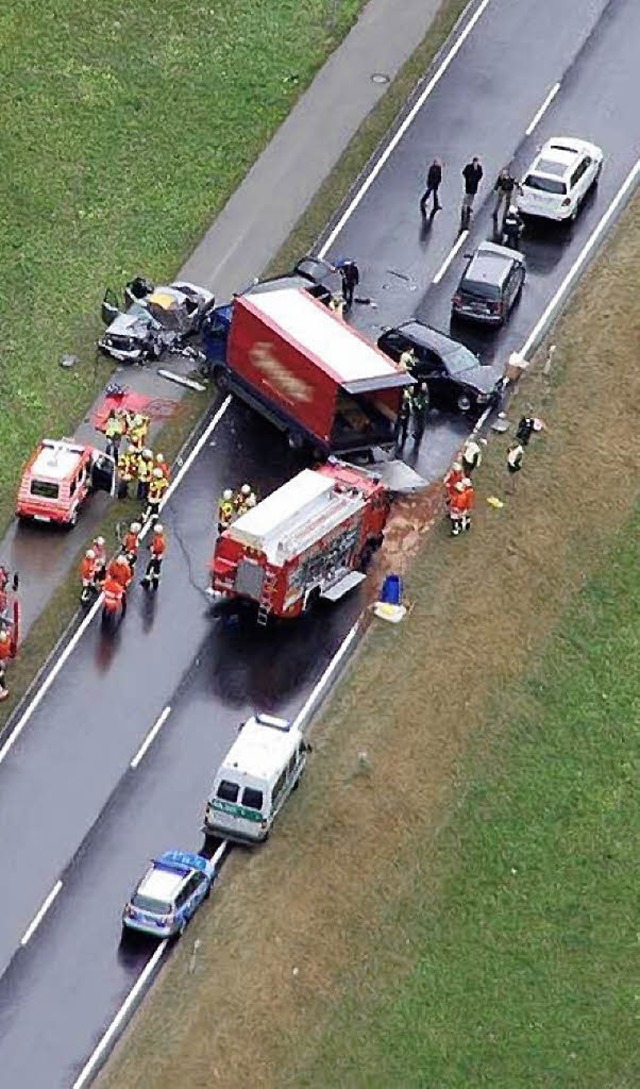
(545, 185)
(45, 489)
(150, 904)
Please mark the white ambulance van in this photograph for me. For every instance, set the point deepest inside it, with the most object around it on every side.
(262, 767)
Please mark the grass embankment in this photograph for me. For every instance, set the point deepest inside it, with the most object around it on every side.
(125, 129)
(460, 913)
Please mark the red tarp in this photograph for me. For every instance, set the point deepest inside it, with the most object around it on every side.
(157, 408)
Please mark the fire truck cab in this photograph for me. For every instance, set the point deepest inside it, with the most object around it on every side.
(59, 477)
(310, 539)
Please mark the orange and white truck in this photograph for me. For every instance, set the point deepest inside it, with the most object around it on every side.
(59, 477)
(312, 538)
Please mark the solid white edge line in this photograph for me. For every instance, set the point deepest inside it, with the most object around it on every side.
(219, 854)
(545, 106)
(48, 681)
(40, 914)
(393, 143)
(87, 1071)
(450, 256)
(77, 636)
(319, 688)
(188, 462)
(580, 260)
(153, 732)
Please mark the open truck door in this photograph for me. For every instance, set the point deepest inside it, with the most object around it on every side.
(103, 473)
(110, 306)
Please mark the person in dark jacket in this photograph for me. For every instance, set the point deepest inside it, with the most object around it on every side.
(350, 274)
(434, 177)
(472, 174)
(512, 228)
(504, 189)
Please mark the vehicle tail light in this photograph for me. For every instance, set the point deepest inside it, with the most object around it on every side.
(566, 202)
(496, 307)
(457, 299)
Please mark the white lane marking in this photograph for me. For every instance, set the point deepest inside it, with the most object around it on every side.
(88, 1069)
(545, 106)
(580, 260)
(188, 462)
(450, 256)
(392, 145)
(77, 636)
(319, 688)
(39, 916)
(219, 854)
(153, 732)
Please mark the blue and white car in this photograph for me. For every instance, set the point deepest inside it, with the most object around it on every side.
(169, 894)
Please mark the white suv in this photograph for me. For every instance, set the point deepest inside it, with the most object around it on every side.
(559, 178)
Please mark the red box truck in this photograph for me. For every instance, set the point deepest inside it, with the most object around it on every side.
(311, 374)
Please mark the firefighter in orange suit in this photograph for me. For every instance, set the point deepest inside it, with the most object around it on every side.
(158, 548)
(453, 477)
(88, 570)
(131, 544)
(157, 488)
(460, 506)
(7, 650)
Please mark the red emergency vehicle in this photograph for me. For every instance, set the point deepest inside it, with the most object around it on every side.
(307, 371)
(58, 477)
(310, 539)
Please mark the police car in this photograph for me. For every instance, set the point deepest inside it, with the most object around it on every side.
(169, 894)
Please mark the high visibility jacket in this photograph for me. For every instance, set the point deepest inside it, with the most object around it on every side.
(114, 427)
(472, 454)
(145, 468)
(226, 511)
(131, 542)
(458, 502)
(166, 471)
(127, 466)
(468, 499)
(113, 593)
(157, 488)
(453, 477)
(158, 546)
(87, 569)
(120, 573)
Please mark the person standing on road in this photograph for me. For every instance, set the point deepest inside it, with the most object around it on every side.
(526, 427)
(402, 425)
(114, 432)
(504, 189)
(158, 548)
(515, 457)
(420, 409)
(453, 477)
(472, 174)
(434, 178)
(350, 276)
(131, 544)
(512, 228)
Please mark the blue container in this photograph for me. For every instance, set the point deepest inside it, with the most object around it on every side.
(391, 593)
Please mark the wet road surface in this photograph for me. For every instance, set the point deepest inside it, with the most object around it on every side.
(71, 808)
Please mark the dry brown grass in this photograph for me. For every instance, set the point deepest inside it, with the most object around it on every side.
(485, 605)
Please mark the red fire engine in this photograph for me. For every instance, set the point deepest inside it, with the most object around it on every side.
(310, 539)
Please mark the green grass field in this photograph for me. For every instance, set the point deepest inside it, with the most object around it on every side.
(125, 128)
(525, 968)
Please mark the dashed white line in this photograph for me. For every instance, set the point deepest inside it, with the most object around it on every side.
(393, 143)
(450, 256)
(580, 260)
(39, 916)
(88, 1069)
(545, 106)
(153, 732)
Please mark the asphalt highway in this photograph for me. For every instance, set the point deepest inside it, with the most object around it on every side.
(72, 809)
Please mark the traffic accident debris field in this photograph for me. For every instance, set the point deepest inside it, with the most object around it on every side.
(307, 937)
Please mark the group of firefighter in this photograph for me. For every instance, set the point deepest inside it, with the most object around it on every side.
(234, 504)
(136, 462)
(8, 625)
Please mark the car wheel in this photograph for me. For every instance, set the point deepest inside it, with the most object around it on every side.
(464, 402)
(221, 380)
(295, 441)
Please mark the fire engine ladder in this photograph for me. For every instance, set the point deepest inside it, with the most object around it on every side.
(266, 597)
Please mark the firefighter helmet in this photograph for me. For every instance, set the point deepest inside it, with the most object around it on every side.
(457, 466)
(227, 494)
(121, 560)
(158, 528)
(158, 474)
(90, 554)
(160, 458)
(245, 489)
(99, 541)
(135, 527)
(147, 454)
(4, 638)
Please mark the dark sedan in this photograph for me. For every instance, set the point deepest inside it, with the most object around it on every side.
(456, 380)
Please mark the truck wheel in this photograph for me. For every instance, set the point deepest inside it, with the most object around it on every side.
(295, 441)
(221, 380)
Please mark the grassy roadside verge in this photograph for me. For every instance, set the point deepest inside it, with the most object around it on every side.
(316, 957)
(124, 132)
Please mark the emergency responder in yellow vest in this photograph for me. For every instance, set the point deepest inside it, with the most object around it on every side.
(114, 431)
(164, 465)
(157, 488)
(127, 469)
(226, 510)
(138, 433)
(145, 464)
(246, 499)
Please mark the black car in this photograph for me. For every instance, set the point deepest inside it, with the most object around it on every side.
(490, 284)
(316, 276)
(456, 380)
